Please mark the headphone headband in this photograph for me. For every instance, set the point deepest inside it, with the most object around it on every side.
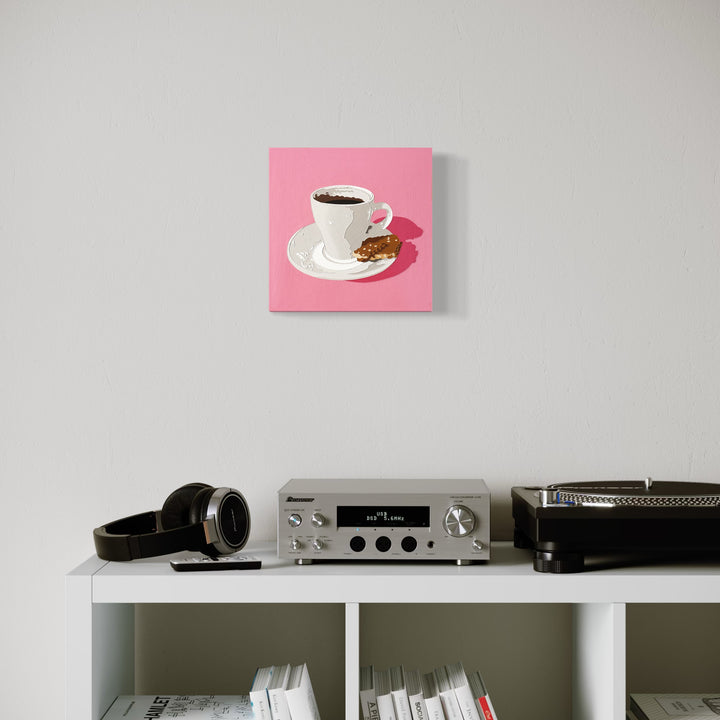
(138, 536)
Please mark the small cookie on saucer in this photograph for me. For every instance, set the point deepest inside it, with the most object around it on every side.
(378, 248)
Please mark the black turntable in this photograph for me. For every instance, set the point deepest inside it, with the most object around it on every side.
(565, 522)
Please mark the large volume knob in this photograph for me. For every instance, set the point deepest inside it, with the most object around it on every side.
(459, 521)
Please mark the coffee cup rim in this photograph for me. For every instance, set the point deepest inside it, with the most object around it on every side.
(336, 189)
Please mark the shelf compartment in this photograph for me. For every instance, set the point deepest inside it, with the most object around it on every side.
(513, 645)
(673, 647)
(202, 649)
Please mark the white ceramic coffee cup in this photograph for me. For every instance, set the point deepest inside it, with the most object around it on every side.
(344, 227)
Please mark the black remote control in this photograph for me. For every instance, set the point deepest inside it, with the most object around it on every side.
(225, 562)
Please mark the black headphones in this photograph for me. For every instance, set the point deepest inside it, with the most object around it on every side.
(214, 521)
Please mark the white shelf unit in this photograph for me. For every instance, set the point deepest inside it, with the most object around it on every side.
(552, 641)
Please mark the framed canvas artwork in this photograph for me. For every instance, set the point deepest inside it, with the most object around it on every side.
(350, 229)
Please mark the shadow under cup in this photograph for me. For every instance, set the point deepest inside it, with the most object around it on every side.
(343, 214)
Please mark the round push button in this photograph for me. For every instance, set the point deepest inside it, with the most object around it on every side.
(357, 544)
(383, 543)
(409, 543)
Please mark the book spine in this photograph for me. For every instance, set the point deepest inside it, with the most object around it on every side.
(450, 705)
(301, 701)
(466, 701)
(434, 708)
(402, 705)
(260, 704)
(368, 705)
(386, 709)
(418, 707)
(488, 711)
(278, 704)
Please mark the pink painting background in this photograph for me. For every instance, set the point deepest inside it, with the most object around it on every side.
(401, 177)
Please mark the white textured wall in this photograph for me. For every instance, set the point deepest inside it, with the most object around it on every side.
(576, 331)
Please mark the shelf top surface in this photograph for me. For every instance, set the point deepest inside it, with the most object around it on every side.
(507, 577)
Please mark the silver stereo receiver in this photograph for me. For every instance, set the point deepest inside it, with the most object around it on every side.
(384, 520)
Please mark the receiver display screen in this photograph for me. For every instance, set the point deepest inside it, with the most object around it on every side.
(383, 516)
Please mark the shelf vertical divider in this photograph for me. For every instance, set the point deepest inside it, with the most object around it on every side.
(113, 653)
(599, 661)
(352, 660)
(100, 646)
(79, 641)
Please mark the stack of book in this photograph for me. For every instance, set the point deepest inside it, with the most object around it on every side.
(283, 692)
(278, 692)
(674, 706)
(446, 693)
(193, 707)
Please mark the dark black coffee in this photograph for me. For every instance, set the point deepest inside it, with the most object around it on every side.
(337, 199)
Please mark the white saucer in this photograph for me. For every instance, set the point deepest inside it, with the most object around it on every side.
(307, 253)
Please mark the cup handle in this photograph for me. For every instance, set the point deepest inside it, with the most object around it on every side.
(382, 224)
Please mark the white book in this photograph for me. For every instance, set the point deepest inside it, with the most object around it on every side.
(399, 693)
(447, 694)
(193, 707)
(413, 684)
(279, 709)
(482, 697)
(676, 706)
(432, 697)
(368, 701)
(383, 694)
(258, 692)
(300, 695)
(463, 693)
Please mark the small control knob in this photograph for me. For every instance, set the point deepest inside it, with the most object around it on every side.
(317, 520)
(459, 521)
(295, 544)
(294, 520)
(477, 545)
(317, 544)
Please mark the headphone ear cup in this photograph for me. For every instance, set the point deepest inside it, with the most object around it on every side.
(199, 505)
(175, 511)
(197, 512)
